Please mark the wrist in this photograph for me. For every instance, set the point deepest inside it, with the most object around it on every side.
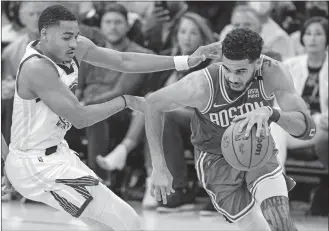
(181, 63)
(126, 101)
(275, 114)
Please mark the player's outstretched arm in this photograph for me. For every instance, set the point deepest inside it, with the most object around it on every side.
(295, 117)
(56, 95)
(191, 91)
(131, 62)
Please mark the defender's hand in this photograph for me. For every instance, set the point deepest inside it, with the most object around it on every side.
(259, 116)
(161, 184)
(211, 51)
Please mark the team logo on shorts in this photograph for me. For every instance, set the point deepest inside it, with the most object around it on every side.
(63, 124)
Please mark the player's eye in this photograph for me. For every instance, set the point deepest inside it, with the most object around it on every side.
(67, 38)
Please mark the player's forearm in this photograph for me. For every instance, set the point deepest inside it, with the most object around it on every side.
(91, 114)
(294, 123)
(142, 63)
(154, 125)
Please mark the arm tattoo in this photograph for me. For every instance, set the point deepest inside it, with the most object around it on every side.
(276, 212)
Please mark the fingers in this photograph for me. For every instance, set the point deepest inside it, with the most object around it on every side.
(267, 130)
(161, 14)
(259, 127)
(243, 124)
(152, 190)
(163, 194)
(251, 123)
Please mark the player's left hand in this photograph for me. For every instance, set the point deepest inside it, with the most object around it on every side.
(259, 116)
(161, 184)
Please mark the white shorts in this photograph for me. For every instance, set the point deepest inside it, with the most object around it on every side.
(60, 180)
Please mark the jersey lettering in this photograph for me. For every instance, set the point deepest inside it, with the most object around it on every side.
(224, 117)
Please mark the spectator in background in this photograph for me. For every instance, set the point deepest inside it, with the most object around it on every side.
(191, 32)
(98, 85)
(313, 9)
(159, 26)
(28, 15)
(11, 26)
(310, 76)
(255, 15)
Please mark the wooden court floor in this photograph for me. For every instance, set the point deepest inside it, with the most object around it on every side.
(33, 216)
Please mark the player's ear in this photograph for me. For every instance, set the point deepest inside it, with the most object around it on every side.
(258, 63)
(43, 34)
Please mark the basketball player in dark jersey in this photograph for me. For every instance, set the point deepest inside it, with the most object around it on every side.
(242, 87)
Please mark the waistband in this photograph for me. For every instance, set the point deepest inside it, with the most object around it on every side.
(33, 153)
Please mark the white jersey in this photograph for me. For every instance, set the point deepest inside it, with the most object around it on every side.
(34, 125)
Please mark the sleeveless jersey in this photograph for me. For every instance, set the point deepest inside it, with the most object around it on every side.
(34, 125)
(209, 125)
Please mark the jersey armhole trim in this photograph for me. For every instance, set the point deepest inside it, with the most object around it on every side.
(19, 72)
(262, 91)
(211, 88)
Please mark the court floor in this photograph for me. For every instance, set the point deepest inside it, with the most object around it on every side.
(33, 216)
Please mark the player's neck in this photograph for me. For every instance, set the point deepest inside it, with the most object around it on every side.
(118, 46)
(316, 59)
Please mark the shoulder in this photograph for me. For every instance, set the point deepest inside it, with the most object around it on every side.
(275, 74)
(34, 69)
(84, 45)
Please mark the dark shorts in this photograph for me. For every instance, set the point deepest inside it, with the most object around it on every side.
(232, 191)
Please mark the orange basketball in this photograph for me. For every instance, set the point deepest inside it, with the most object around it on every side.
(246, 153)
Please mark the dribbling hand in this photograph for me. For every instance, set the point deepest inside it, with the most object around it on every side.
(161, 184)
(258, 116)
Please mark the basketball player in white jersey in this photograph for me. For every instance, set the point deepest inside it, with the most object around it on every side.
(40, 165)
(242, 87)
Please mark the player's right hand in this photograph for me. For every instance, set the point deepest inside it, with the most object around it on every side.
(161, 184)
(6, 186)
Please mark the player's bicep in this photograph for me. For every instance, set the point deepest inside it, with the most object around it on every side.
(51, 90)
(99, 56)
(286, 95)
(191, 91)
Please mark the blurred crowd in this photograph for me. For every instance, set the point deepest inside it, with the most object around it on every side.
(295, 33)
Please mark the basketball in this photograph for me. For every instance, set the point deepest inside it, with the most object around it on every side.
(246, 153)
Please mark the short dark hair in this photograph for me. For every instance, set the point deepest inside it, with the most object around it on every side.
(114, 7)
(242, 43)
(52, 15)
(318, 19)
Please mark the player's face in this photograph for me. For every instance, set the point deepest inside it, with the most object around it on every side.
(115, 26)
(189, 36)
(246, 20)
(61, 41)
(238, 73)
(315, 38)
